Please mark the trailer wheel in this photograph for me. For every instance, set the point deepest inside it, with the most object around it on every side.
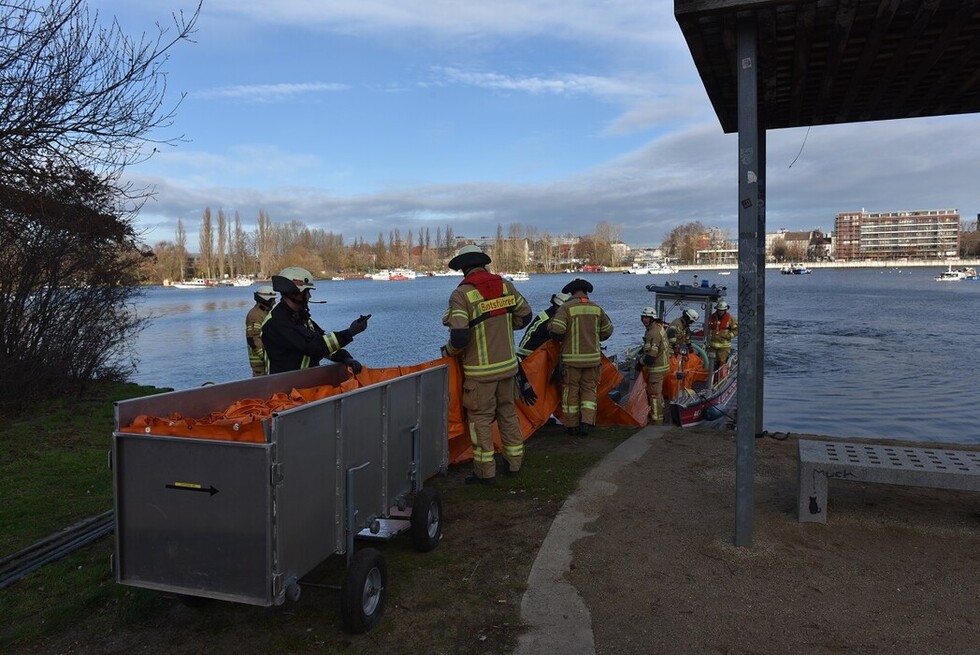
(426, 520)
(362, 597)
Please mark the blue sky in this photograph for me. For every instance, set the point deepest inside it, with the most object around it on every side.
(361, 116)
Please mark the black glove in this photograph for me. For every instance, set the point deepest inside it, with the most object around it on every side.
(353, 364)
(639, 364)
(648, 360)
(524, 388)
(359, 324)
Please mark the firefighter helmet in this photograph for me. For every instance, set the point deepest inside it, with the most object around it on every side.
(691, 314)
(264, 294)
(649, 311)
(468, 257)
(293, 280)
(560, 299)
(722, 305)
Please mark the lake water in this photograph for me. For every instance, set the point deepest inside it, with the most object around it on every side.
(849, 352)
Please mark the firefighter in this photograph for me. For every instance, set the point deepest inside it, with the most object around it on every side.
(292, 339)
(484, 310)
(580, 325)
(722, 328)
(265, 298)
(679, 331)
(655, 358)
(536, 333)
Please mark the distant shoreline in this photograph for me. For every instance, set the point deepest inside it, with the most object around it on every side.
(897, 263)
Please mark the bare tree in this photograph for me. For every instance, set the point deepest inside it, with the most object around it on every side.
(222, 234)
(205, 240)
(265, 245)
(79, 102)
(180, 243)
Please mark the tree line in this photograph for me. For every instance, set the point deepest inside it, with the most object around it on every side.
(226, 249)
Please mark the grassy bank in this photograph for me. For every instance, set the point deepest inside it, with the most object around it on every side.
(462, 597)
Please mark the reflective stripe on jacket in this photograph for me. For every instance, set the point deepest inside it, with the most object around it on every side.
(489, 351)
(581, 325)
(253, 334)
(656, 345)
(721, 333)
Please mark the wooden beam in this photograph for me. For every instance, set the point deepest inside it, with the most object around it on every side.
(882, 22)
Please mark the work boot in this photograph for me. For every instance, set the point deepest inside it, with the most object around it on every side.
(504, 467)
(573, 430)
(473, 479)
(583, 429)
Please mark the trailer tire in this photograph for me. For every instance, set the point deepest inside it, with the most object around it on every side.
(426, 520)
(365, 589)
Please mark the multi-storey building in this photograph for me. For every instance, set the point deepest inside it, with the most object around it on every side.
(920, 234)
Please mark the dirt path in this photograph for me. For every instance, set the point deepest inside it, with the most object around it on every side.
(894, 570)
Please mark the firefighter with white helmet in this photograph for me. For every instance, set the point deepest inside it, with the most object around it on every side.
(292, 339)
(655, 359)
(722, 328)
(265, 298)
(536, 333)
(679, 331)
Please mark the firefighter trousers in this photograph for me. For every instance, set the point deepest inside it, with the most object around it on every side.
(486, 402)
(578, 395)
(655, 393)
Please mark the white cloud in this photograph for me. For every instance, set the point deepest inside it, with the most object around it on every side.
(269, 92)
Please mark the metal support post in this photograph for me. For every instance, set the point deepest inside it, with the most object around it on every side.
(749, 348)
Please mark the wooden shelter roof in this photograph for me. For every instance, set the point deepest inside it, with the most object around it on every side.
(840, 61)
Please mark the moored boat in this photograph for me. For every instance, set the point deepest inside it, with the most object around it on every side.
(519, 276)
(196, 283)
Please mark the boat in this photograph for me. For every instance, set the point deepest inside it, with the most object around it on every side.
(448, 273)
(707, 393)
(519, 276)
(951, 275)
(394, 274)
(794, 269)
(655, 268)
(196, 283)
(237, 281)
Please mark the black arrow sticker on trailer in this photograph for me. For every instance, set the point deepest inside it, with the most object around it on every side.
(192, 486)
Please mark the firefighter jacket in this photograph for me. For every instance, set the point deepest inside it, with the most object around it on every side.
(253, 336)
(484, 310)
(722, 330)
(656, 348)
(581, 325)
(293, 340)
(679, 333)
(536, 333)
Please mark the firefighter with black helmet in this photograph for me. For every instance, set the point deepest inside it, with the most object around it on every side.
(580, 325)
(292, 339)
(484, 310)
(265, 298)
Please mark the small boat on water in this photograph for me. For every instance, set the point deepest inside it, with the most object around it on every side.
(656, 268)
(696, 392)
(447, 273)
(196, 283)
(951, 275)
(519, 276)
(794, 269)
(394, 274)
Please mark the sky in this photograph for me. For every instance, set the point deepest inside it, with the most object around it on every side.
(363, 116)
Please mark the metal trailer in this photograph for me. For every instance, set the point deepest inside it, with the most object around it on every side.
(244, 522)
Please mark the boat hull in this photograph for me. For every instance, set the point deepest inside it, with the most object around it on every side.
(709, 408)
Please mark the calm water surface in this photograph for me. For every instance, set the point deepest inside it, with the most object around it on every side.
(873, 353)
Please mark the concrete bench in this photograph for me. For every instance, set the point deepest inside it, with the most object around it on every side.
(939, 468)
